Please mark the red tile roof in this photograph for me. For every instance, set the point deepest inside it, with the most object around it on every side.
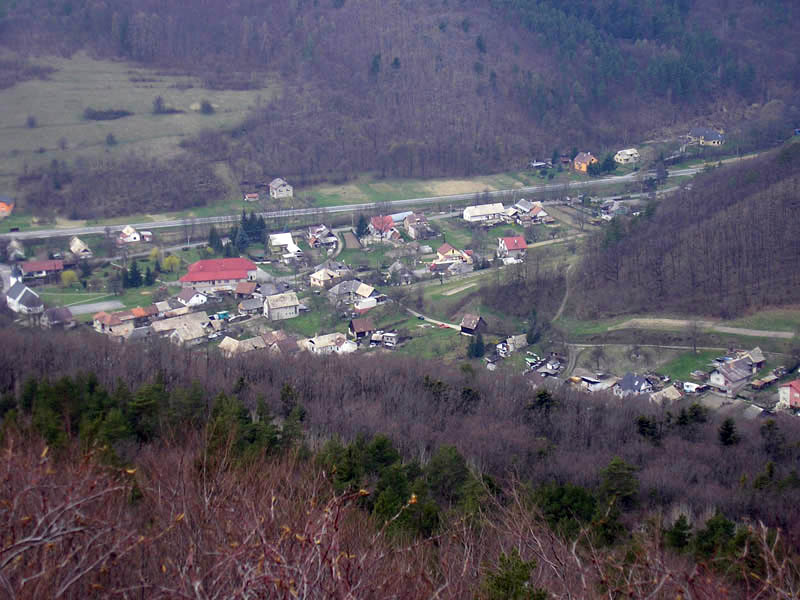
(217, 269)
(362, 325)
(107, 319)
(795, 385)
(515, 243)
(445, 248)
(33, 266)
(382, 223)
(246, 287)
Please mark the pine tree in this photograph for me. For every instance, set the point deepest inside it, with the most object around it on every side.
(214, 241)
(134, 275)
(480, 348)
(242, 240)
(149, 277)
(362, 226)
(727, 433)
(677, 537)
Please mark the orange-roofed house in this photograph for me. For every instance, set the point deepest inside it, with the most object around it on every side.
(219, 274)
(6, 207)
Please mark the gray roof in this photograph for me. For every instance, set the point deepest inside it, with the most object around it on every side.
(706, 133)
(736, 370)
(634, 383)
(470, 321)
(345, 287)
(24, 295)
(60, 314)
(525, 205)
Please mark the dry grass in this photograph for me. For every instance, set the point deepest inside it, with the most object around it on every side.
(59, 102)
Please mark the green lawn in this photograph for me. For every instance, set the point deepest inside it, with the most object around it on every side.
(52, 296)
(680, 367)
(434, 342)
(315, 322)
(780, 319)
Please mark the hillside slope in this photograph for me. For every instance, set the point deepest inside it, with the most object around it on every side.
(423, 89)
(728, 244)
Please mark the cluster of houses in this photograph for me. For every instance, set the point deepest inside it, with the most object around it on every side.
(524, 212)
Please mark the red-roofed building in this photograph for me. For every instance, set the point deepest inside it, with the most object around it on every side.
(789, 395)
(41, 269)
(446, 253)
(382, 227)
(511, 246)
(219, 274)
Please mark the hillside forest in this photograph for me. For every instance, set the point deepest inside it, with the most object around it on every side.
(725, 244)
(421, 89)
(165, 471)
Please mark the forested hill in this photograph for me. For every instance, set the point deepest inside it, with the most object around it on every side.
(429, 88)
(727, 244)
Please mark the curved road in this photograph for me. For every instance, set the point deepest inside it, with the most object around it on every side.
(99, 229)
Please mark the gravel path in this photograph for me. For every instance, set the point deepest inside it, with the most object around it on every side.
(685, 323)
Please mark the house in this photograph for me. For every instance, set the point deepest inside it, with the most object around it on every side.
(113, 324)
(539, 215)
(447, 253)
(319, 236)
(592, 382)
(417, 227)
(57, 317)
(756, 358)
(582, 161)
(628, 156)
(283, 244)
(484, 212)
(128, 235)
(6, 207)
(191, 297)
(328, 273)
(79, 248)
(251, 197)
(165, 327)
(472, 324)
(281, 306)
(731, 376)
(232, 347)
(361, 329)
(219, 274)
(399, 218)
(251, 306)
(706, 136)
(789, 395)
(669, 394)
(632, 384)
(382, 228)
(331, 343)
(188, 333)
(350, 291)
(511, 246)
(278, 188)
(15, 250)
(399, 273)
(245, 289)
(41, 269)
(23, 300)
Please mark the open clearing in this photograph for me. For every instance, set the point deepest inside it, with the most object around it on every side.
(58, 104)
(458, 289)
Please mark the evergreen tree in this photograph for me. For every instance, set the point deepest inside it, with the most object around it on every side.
(214, 241)
(480, 348)
(362, 226)
(677, 537)
(134, 275)
(534, 329)
(242, 240)
(149, 277)
(727, 433)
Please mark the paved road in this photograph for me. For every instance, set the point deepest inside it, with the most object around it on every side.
(83, 309)
(434, 321)
(100, 229)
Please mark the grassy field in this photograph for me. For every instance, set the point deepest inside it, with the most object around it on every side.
(57, 104)
(680, 367)
(780, 319)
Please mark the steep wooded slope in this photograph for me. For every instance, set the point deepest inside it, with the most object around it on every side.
(421, 89)
(729, 243)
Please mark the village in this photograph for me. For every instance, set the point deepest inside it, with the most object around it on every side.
(379, 285)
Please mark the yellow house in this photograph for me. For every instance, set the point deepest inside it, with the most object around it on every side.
(583, 160)
(447, 252)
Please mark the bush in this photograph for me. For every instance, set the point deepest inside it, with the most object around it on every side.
(111, 140)
(31, 122)
(105, 115)
(206, 107)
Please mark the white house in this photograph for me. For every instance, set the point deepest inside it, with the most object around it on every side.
(281, 306)
(23, 300)
(511, 246)
(283, 243)
(731, 376)
(484, 212)
(191, 297)
(632, 384)
(331, 343)
(79, 248)
(627, 156)
(128, 235)
(278, 188)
